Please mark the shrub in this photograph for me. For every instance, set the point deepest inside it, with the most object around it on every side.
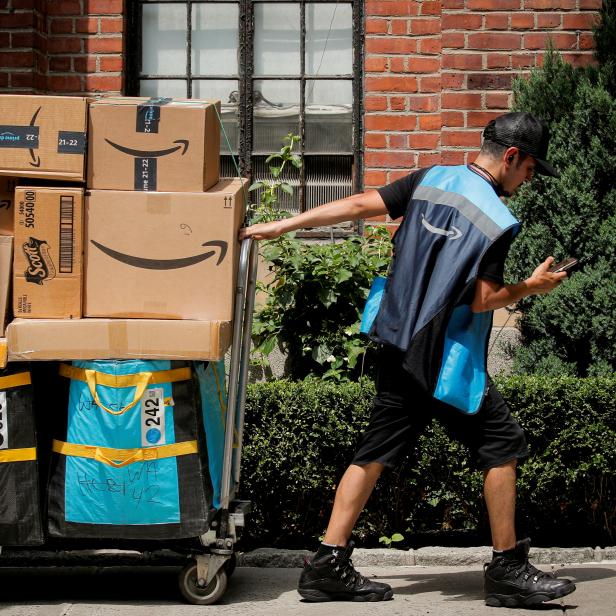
(300, 437)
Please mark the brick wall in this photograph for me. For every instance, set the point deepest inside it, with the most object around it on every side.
(62, 46)
(437, 71)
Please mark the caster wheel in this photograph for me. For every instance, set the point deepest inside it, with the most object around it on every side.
(230, 565)
(196, 595)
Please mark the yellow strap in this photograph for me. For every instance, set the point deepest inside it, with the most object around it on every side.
(139, 381)
(15, 380)
(18, 455)
(123, 457)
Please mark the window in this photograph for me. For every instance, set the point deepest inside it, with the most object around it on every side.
(277, 67)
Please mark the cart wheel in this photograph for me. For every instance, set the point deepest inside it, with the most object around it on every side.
(202, 596)
(230, 565)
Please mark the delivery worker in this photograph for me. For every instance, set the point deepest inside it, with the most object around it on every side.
(434, 321)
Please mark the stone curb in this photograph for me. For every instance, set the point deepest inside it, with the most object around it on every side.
(426, 557)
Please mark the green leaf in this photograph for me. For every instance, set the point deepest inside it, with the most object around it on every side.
(287, 188)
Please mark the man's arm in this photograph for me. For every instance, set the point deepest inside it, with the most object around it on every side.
(363, 205)
(491, 296)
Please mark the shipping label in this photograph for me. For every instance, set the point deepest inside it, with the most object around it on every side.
(71, 142)
(153, 417)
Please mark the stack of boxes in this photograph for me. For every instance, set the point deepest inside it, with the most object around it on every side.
(141, 263)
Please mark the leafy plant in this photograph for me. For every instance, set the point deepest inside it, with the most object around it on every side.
(389, 541)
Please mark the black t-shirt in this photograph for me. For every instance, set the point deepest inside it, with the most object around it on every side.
(397, 197)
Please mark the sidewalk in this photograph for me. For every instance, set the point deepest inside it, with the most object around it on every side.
(419, 590)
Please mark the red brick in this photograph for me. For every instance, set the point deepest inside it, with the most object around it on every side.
(85, 64)
(586, 41)
(103, 83)
(550, 5)
(578, 59)
(395, 121)
(541, 40)
(453, 40)
(389, 159)
(5, 39)
(579, 21)
(112, 24)
(453, 4)
(387, 7)
(489, 81)
(462, 21)
(428, 103)
(461, 138)
(430, 121)
(375, 103)
(391, 84)
(111, 63)
(397, 65)
(463, 61)
(480, 118)
(4, 80)
(494, 40)
(430, 45)
(424, 141)
(497, 100)
(498, 60)
(453, 119)
(104, 45)
(399, 26)
(375, 178)
(375, 140)
(430, 84)
(22, 39)
(490, 5)
(64, 83)
(375, 64)
(424, 65)
(497, 21)
(430, 8)
(453, 157)
(426, 159)
(591, 4)
(522, 21)
(549, 20)
(397, 103)
(398, 142)
(64, 7)
(22, 80)
(461, 100)
(62, 25)
(376, 26)
(390, 44)
(425, 26)
(87, 25)
(382, 218)
(17, 20)
(523, 60)
(60, 64)
(105, 7)
(65, 44)
(16, 59)
(453, 81)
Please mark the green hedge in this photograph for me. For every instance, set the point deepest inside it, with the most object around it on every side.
(300, 437)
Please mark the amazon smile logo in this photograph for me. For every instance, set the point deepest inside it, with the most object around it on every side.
(451, 234)
(165, 264)
(182, 143)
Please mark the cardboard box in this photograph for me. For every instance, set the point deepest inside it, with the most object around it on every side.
(6, 261)
(43, 136)
(47, 272)
(47, 339)
(7, 198)
(163, 255)
(155, 144)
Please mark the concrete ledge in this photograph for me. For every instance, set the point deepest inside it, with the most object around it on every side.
(426, 557)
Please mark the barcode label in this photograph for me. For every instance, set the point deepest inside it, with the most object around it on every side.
(153, 417)
(67, 209)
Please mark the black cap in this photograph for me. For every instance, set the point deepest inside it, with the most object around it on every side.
(523, 131)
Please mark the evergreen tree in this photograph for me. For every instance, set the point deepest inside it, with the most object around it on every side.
(573, 329)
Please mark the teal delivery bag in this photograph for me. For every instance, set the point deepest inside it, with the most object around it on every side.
(129, 464)
(20, 511)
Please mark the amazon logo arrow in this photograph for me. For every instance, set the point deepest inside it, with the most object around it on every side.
(452, 234)
(36, 159)
(164, 264)
(151, 153)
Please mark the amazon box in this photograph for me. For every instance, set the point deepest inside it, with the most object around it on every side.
(163, 255)
(7, 197)
(43, 136)
(6, 261)
(156, 144)
(49, 339)
(47, 268)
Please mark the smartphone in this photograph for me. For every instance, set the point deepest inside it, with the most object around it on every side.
(563, 266)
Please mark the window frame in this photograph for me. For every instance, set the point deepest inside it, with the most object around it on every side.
(246, 77)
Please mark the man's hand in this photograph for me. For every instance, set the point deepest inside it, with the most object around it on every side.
(262, 231)
(542, 281)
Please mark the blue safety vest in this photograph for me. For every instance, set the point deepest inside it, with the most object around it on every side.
(453, 218)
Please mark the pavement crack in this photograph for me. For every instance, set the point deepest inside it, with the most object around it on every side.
(67, 609)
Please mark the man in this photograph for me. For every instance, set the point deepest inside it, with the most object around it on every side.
(434, 321)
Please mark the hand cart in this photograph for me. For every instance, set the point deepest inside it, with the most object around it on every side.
(208, 560)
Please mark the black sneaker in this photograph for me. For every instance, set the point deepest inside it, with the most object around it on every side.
(332, 577)
(511, 581)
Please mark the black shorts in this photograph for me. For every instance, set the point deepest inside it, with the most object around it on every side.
(402, 410)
